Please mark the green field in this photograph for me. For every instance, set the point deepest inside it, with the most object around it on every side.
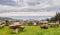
(31, 30)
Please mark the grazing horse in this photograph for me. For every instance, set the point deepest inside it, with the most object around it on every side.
(15, 26)
(56, 24)
(44, 26)
(2, 24)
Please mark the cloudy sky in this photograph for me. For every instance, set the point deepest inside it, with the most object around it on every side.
(29, 9)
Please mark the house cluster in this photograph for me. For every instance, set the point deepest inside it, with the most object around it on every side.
(31, 22)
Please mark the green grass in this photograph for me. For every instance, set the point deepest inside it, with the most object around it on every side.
(32, 30)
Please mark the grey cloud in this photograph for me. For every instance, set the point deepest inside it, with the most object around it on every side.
(7, 2)
(35, 2)
(53, 8)
(32, 3)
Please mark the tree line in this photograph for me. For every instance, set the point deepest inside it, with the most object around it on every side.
(55, 18)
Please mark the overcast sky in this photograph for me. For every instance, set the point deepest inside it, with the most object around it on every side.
(37, 9)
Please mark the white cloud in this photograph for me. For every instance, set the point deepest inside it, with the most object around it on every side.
(28, 14)
(56, 2)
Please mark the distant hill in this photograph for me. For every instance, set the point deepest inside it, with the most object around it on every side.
(3, 18)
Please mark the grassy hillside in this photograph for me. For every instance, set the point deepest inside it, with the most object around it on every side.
(31, 30)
